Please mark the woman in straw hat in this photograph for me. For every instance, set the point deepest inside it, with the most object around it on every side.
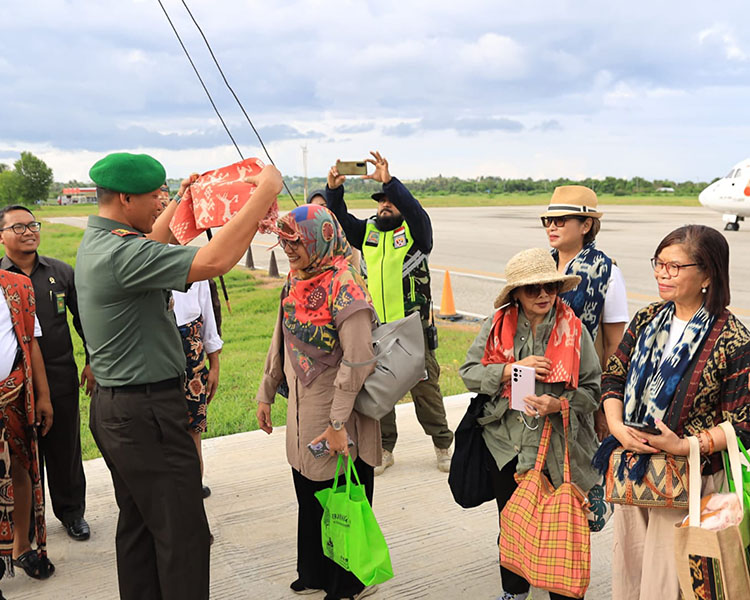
(572, 222)
(535, 328)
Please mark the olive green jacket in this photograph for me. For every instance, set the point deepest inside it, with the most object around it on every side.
(508, 433)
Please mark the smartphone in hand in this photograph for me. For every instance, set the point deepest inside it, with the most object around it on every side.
(644, 427)
(522, 384)
(323, 449)
(351, 167)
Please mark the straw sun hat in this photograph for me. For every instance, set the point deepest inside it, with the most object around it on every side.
(573, 200)
(528, 267)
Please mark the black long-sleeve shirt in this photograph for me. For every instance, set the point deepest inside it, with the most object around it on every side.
(55, 294)
(415, 216)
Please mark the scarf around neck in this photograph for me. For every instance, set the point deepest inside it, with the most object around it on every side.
(587, 298)
(563, 347)
(331, 291)
(650, 386)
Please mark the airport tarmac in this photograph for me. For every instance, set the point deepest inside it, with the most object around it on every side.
(475, 243)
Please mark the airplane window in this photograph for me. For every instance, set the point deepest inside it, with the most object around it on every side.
(738, 172)
(729, 175)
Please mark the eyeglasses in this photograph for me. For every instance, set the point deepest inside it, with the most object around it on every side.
(536, 289)
(673, 268)
(293, 244)
(558, 221)
(20, 228)
(164, 188)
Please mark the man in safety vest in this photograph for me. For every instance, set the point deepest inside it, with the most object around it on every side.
(395, 245)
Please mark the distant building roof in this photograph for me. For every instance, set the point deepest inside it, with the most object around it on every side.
(665, 189)
(83, 190)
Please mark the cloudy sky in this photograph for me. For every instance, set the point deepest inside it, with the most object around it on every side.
(541, 88)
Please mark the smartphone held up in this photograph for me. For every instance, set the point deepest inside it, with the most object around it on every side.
(351, 167)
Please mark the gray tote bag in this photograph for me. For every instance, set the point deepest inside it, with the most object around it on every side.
(399, 358)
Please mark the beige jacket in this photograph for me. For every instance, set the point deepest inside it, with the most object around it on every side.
(329, 397)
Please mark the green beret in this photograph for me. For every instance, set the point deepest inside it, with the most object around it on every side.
(128, 173)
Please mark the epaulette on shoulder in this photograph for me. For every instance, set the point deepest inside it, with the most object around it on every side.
(123, 232)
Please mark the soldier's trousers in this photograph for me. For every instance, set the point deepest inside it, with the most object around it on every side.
(428, 404)
(60, 457)
(162, 535)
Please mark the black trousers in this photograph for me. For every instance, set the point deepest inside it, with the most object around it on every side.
(314, 569)
(504, 484)
(60, 457)
(162, 536)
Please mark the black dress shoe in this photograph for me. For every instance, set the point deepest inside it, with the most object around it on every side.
(206, 491)
(78, 529)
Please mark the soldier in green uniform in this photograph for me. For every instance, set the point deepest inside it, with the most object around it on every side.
(395, 245)
(138, 416)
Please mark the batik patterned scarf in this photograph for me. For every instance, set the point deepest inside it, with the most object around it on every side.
(315, 304)
(587, 298)
(649, 386)
(563, 348)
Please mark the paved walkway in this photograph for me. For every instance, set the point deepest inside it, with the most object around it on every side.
(439, 550)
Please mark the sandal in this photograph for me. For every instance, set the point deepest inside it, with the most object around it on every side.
(35, 566)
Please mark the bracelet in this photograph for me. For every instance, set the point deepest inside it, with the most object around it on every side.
(711, 444)
(177, 198)
(702, 443)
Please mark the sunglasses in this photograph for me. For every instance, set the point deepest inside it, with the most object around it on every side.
(536, 289)
(559, 221)
(293, 244)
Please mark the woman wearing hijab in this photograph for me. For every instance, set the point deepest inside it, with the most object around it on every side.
(325, 317)
(682, 367)
(535, 328)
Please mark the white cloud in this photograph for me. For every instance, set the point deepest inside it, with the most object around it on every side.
(723, 36)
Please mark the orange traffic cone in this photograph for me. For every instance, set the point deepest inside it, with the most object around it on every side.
(447, 306)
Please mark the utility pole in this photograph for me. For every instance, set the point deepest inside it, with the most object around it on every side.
(304, 167)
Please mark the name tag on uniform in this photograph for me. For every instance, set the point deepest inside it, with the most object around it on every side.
(373, 238)
(60, 302)
(399, 238)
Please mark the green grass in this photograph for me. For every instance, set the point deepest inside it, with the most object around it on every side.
(246, 333)
(429, 201)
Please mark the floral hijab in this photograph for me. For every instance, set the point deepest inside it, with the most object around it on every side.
(313, 307)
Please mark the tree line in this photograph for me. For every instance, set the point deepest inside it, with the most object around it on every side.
(30, 180)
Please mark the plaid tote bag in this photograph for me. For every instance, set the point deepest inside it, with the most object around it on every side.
(544, 532)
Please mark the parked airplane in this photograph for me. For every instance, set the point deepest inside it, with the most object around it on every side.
(730, 195)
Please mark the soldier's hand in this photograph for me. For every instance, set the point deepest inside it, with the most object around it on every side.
(186, 183)
(44, 412)
(87, 379)
(334, 179)
(269, 177)
(381, 172)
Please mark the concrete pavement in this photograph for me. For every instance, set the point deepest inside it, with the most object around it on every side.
(439, 550)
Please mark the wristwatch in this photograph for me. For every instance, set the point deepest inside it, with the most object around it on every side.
(337, 425)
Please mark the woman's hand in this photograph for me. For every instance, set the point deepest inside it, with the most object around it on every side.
(338, 441)
(631, 439)
(540, 364)
(541, 406)
(212, 383)
(668, 441)
(263, 414)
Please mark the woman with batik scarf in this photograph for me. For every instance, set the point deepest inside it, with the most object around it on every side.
(325, 320)
(535, 328)
(682, 367)
(572, 222)
(25, 412)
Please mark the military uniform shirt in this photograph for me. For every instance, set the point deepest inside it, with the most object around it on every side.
(55, 294)
(123, 280)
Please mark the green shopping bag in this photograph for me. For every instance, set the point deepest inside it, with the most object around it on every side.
(745, 466)
(351, 536)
